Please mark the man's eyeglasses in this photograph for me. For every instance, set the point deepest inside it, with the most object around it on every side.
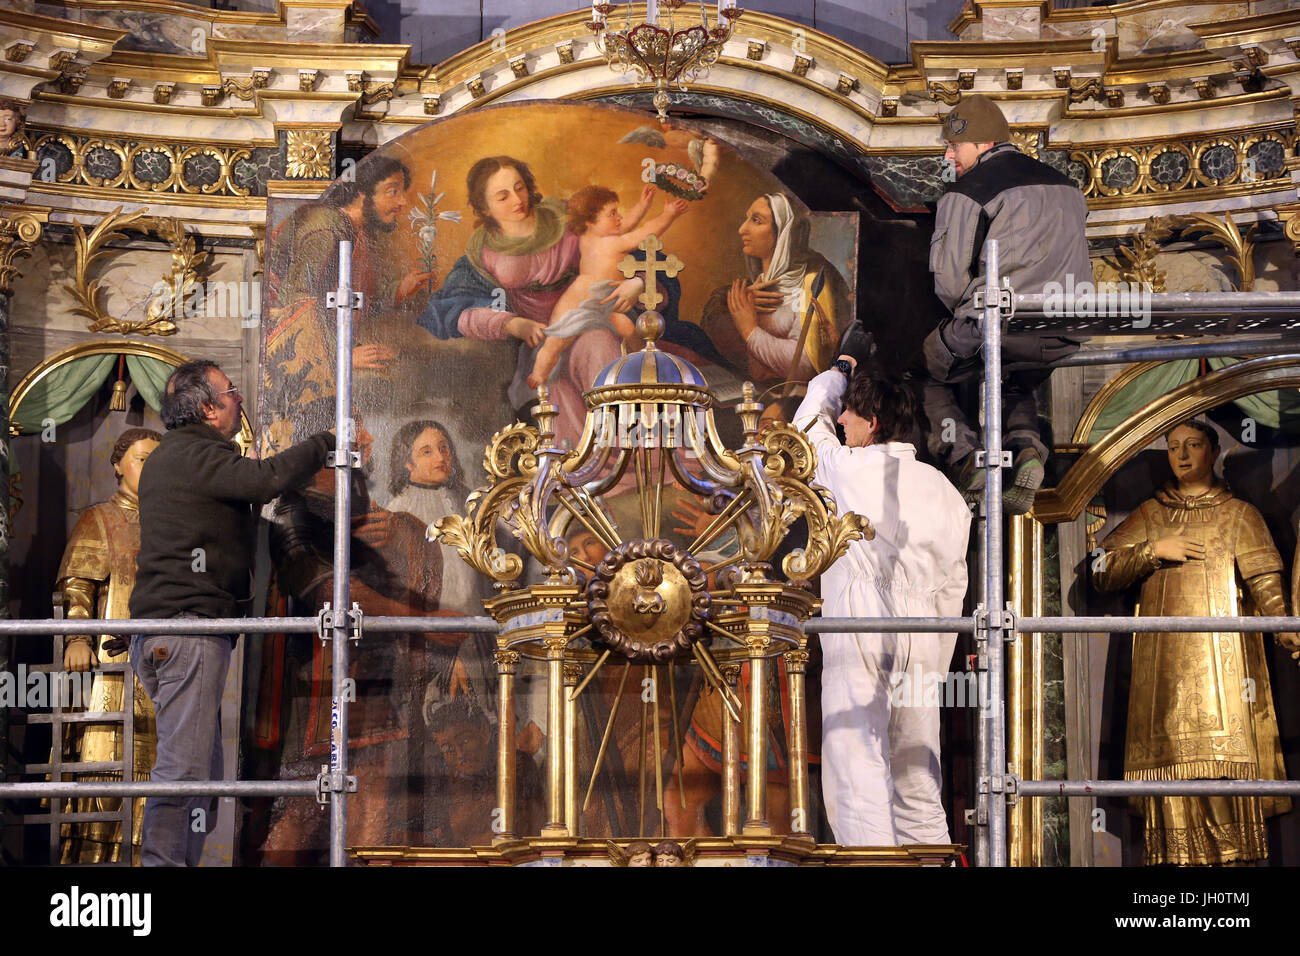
(232, 388)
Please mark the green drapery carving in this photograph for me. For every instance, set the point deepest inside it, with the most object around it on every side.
(150, 378)
(1275, 409)
(1147, 387)
(64, 390)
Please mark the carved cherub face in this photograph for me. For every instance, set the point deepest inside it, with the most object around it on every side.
(129, 468)
(9, 122)
(669, 853)
(639, 853)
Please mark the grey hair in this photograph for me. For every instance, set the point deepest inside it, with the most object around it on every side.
(188, 390)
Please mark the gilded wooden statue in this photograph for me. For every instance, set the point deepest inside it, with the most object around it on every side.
(1200, 705)
(96, 577)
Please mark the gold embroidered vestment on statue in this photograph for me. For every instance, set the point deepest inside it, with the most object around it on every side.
(97, 575)
(1200, 705)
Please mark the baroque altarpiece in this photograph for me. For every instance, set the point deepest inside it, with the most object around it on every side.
(179, 185)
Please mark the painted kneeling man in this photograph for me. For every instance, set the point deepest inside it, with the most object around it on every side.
(880, 752)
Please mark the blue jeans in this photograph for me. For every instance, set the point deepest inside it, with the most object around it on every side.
(184, 675)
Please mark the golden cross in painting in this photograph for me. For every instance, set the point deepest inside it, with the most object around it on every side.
(652, 267)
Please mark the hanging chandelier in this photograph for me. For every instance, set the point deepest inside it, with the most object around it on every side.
(671, 47)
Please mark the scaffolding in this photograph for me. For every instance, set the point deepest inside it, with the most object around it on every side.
(993, 624)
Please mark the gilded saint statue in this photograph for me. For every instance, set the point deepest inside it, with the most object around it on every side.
(96, 577)
(1200, 705)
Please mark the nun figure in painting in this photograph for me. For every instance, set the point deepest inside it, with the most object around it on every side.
(787, 316)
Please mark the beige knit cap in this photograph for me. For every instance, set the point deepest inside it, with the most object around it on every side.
(976, 119)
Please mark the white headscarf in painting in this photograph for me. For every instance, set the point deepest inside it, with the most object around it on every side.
(790, 257)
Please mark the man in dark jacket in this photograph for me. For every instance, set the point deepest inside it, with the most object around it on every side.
(1037, 215)
(197, 533)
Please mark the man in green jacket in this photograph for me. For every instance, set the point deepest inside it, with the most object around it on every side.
(198, 523)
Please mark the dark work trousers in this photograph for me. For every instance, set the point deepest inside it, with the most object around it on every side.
(953, 353)
(184, 675)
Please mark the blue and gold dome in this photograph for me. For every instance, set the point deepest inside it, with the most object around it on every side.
(649, 398)
(650, 366)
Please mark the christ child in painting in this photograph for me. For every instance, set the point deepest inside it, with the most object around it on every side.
(603, 240)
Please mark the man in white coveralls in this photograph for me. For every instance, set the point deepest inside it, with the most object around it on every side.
(880, 750)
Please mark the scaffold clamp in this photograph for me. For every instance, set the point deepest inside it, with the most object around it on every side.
(1006, 304)
(332, 301)
(329, 782)
(984, 621)
(335, 460)
(1006, 784)
(327, 619)
(1003, 459)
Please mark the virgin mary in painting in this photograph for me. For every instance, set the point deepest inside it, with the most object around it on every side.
(517, 264)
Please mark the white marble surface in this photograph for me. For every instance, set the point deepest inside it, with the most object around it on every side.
(314, 24)
(1166, 28)
(1055, 29)
(239, 31)
(1012, 23)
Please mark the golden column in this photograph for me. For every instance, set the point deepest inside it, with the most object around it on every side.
(20, 228)
(555, 734)
(759, 643)
(507, 663)
(572, 675)
(796, 664)
(730, 759)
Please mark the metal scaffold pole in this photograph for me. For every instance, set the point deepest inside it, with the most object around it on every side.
(992, 763)
(996, 626)
(344, 460)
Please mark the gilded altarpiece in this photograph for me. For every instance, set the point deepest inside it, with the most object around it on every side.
(465, 236)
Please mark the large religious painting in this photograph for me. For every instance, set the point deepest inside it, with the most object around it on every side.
(500, 250)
